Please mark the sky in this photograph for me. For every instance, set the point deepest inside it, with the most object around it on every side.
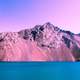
(21, 14)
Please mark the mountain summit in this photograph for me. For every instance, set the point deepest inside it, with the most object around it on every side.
(42, 43)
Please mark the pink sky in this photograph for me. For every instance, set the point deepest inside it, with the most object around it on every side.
(20, 14)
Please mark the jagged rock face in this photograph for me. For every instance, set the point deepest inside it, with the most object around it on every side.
(41, 43)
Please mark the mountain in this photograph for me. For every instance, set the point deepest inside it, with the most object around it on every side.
(42, 43)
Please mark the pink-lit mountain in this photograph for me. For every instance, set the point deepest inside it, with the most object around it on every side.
(41, 43)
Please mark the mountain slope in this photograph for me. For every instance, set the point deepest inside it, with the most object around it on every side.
(41, 43)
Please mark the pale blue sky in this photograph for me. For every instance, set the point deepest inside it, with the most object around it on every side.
(19, 14)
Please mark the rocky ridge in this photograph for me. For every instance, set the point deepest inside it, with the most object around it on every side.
(41, 43)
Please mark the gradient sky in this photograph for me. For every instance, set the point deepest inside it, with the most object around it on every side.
(20, 14)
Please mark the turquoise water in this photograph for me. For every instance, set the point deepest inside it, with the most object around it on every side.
(40, 71)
